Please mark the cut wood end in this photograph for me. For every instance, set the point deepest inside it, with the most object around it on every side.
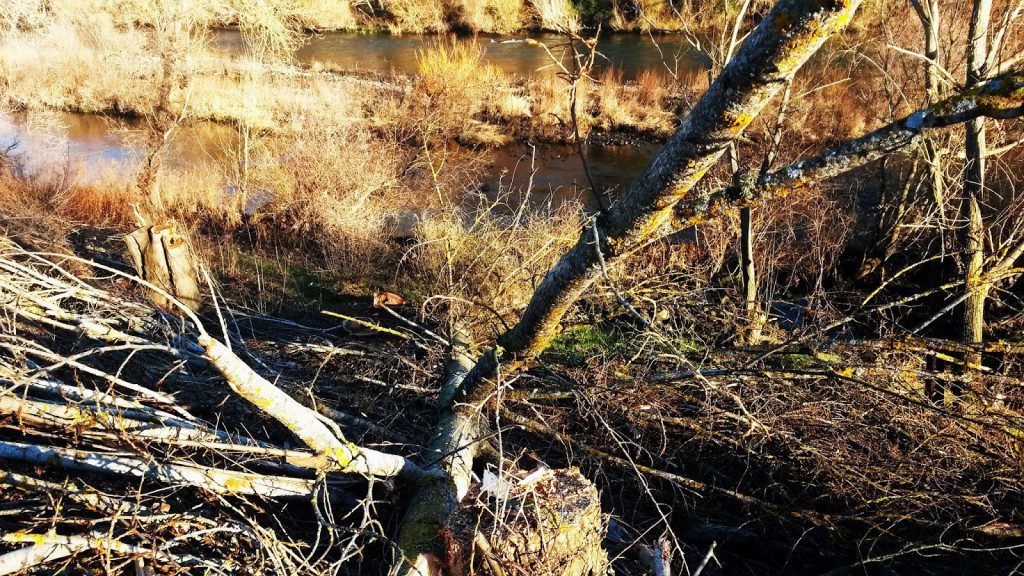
(550, 523)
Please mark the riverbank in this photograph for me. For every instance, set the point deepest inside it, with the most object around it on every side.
(484, 105)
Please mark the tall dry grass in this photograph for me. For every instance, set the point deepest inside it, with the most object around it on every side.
(481, 264)
(557, 15)
(640, 106)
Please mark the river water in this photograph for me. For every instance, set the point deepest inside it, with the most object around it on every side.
(630, 54)
(98, 143)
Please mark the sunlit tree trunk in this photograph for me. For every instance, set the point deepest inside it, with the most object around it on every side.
(753, 307)
(974, 184)
(928, 13)
(789, 34)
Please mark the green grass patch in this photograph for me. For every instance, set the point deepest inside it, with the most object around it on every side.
(577, 344)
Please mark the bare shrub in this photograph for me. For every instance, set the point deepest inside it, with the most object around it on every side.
(482, 266)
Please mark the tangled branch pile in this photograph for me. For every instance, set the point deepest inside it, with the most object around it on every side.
(85, 374)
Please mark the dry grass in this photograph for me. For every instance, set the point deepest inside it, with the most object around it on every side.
(558, 15)
(641, 106)
(491, 16)
(482, 266)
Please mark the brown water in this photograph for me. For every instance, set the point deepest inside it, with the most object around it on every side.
(98, 143)
(630, 54)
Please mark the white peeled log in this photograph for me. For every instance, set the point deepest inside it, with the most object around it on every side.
(342, 455)
(137, 422)
(69, 490)
(213, 479)
(51, 547)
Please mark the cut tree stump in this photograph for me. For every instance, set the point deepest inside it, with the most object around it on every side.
(162, 257)
(547, 524)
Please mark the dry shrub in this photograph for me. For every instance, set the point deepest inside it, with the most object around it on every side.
(647, 15)
(551, 112)
(485, 263)
(641, 106)
(491, 16)
(454, 84)
(259, 99)
(456, 69)
(333, 189)
(557, 15)
(416, 16)
(324, 14)
(78, 61)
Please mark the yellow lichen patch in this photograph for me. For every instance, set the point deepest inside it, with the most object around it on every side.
(24, 536)
(342, 456)
(236, 485)
(741, 122)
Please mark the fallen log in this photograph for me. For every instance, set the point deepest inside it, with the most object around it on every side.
(50, 547)
(185, 473)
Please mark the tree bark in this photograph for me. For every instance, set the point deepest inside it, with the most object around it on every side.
(1000, 98)
(791, 32)
(974, 186)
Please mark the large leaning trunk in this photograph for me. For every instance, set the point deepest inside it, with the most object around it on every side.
(791, 32)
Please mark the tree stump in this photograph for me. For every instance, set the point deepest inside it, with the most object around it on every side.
(162, 257)
(548, 523)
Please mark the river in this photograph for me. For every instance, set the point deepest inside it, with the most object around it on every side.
(557, 173)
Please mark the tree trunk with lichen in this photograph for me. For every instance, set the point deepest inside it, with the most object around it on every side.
(974, 185)
(1000, 98)
(790, 33)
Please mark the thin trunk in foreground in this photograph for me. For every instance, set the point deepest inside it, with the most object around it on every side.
(974, 186)
(928, 13)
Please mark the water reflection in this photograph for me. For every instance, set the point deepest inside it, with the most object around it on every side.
(630, 54)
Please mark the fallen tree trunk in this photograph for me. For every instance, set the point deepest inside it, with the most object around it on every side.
(213, 479)
(343, 456)
(791, 32)
(49, 547)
